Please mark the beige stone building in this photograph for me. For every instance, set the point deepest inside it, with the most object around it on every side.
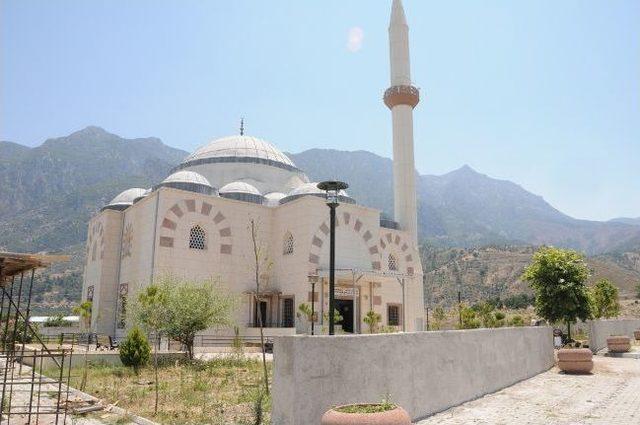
(195, 224)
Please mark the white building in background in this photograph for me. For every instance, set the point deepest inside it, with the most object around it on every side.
(195, 224)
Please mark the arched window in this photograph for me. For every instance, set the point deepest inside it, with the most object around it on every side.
(287, 245)
(197, 238)
(393, 263)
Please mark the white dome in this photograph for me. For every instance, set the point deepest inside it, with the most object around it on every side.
(240, 147)
(239, 187)
(273, 199)
(187, 177)
(306, 189)
(127, 197)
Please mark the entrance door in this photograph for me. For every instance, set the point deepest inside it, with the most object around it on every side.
(345, 308)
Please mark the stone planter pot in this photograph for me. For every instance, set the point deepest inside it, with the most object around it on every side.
(575, 360)
(618, 344)
(397, 416)
(636, 335)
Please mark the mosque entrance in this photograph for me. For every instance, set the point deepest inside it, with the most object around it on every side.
(345, 308)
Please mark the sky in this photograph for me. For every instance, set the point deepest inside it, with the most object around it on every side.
(542, 93)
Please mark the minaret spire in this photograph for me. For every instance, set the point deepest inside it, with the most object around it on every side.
(401, 98)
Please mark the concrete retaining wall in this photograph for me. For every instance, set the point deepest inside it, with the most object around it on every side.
(600, 330)
(424, 372)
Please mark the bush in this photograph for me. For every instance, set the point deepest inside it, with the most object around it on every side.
(135, 351)
(604, 296)
(57, 321)
(516, 320)
(469, 319)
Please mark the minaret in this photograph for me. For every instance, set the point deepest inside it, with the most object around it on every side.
(401, 98)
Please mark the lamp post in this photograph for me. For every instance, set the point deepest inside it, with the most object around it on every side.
(313, 279)
(332, 189)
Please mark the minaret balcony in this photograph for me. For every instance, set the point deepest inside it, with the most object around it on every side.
(401, 95)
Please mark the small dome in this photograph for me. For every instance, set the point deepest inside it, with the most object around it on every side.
(189, 180)
(125, 199)
(186, 177)
(241, 191)
(144, 195)
(239, 187)
(272, 199)
(312, 190)
(241, 147)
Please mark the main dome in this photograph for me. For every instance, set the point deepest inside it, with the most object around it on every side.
(247, 159)
(243, 149)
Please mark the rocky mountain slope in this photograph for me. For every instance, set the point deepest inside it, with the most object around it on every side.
(48, 193)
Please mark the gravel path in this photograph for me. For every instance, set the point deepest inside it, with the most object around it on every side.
(609, 396)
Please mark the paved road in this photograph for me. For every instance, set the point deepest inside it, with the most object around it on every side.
(609, 396)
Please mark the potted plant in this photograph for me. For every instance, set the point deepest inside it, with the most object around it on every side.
(575, 359)
(367, 414)
(618, 343)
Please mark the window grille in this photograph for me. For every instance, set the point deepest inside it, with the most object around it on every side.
(393, 315)
(197, 238)
(287, 248)
(393, 263)
(287, 313)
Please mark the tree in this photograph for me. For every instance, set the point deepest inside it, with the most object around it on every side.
(468, 317)
(261, 262)
(191, 306)
(604, 296)
(372, 319)
(439, 316)
(150, 311)
(558, 278)
(135, 350)
(84, 311)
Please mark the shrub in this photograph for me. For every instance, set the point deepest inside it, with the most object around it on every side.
(516, 320)
(135, 350)
(372, 319)
(604, 296)
(469, 318)
(57, 321)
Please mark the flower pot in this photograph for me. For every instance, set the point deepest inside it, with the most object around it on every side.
(397, 416)
(575, 360)
(636, 335)
(618, 344)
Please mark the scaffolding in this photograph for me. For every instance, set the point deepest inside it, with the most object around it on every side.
(35, 377)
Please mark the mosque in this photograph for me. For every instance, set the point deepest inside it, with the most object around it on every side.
(195, 224)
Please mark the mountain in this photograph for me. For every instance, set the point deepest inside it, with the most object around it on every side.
(48, 193)
(626, 220)
(465, 208)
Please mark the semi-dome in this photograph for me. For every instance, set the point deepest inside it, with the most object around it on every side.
(189, 180)
(273, 199)
(125, 199)
(311, 189)
(244, 158)
(241, 191)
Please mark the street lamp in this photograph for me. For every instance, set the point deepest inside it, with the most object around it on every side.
(332, 189)
(313, 279)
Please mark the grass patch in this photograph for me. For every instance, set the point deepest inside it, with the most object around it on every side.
(220, 391)
(367, 408)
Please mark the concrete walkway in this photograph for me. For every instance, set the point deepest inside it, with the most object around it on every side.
(609, 396)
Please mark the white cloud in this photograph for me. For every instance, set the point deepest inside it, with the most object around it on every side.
(354, 39)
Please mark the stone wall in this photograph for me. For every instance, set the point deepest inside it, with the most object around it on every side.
(424, 372)
(600, 330)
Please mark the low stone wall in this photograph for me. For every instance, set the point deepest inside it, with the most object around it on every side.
(424, 372)
(600, 330)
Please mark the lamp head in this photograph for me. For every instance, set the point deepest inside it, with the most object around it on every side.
(332, 189)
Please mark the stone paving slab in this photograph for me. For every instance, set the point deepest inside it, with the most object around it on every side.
(608, 396)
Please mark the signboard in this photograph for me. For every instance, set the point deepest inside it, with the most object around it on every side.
(341, 291)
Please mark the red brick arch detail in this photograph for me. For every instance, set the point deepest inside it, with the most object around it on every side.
(346, 219)
(203, 209)
(393, 243)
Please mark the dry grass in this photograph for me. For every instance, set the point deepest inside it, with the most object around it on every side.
(220, 391)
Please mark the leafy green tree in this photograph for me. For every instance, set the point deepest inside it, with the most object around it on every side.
(191, 306)
(135, 350)
(604, 296)
(558, 278)
(372, 319)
